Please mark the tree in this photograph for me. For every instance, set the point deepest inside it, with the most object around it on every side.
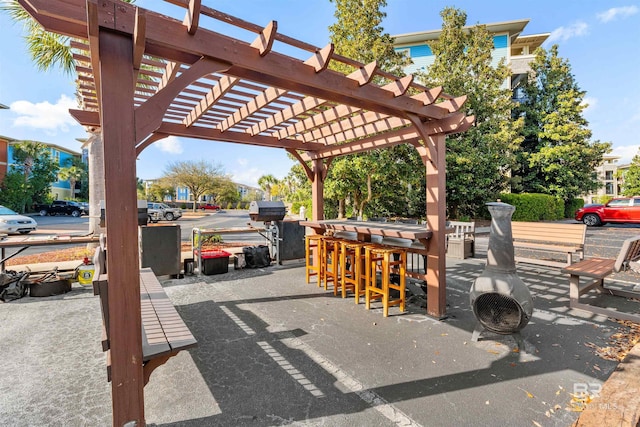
(266, 182)
(557, 156)
(478, 160)
(199, 178)
(73, 174)
(33, 163)
(358, 34)
(158, 190)
(631, 186)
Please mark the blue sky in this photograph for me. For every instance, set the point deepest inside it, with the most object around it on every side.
(601, 39)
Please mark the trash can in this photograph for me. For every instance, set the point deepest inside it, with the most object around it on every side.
(214, 262)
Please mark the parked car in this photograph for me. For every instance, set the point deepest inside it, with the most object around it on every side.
(11, 222)
(618, 210)
(209, 206)
(160, 211)
(62, 207)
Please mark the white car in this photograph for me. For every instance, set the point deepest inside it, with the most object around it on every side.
(12, 222)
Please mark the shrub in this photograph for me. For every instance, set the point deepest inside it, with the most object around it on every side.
(230, 205)
(572, 207)
(534, 207)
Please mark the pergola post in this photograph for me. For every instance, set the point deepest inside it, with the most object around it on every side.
(121, 213)
(317, 189)
(436, 216)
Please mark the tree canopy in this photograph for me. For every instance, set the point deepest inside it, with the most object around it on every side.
(30, 176)
(631, 185)
(200, 178)
(479, 159)
(557, 156)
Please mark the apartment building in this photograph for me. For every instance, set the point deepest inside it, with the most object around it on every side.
(508, 43)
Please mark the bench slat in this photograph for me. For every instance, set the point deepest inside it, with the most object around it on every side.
(549, 237)
(164, 333)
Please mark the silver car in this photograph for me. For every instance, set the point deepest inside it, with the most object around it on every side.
(12, 222)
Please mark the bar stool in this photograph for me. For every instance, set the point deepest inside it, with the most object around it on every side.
(352, 258)
(313, 242)
(330, 263)
(382, 258)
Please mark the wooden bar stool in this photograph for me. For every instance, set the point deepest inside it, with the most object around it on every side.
(382, 258)
(330, 263)
(312, 243)
(351, 265)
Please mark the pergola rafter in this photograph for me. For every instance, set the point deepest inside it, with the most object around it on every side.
(144, 76)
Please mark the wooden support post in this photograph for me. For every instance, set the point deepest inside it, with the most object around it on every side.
(436, 215)
(121, 212)
(317, 189)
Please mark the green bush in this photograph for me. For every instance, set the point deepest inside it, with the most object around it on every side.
(534, 207)
(229, 205)
(572, 207)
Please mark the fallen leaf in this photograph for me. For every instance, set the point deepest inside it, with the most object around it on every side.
(493, 352)
(444, 335)
(536, 424)
(548, 414)
(512, 364)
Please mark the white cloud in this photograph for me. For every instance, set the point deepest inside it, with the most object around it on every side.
(591, 103)
(247, 176)
(626, 152)
(565, 33)
(242, 161)
(170, 144)
(44, 115)
(616, 12)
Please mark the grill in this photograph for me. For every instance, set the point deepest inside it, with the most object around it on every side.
(266, 211)
(284, 238)
(500, 300)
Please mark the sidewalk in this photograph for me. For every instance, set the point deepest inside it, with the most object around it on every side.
(273, 350)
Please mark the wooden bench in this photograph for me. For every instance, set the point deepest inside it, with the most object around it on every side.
(164, 333)
(547, 237)
(461, 239)
(597, 269)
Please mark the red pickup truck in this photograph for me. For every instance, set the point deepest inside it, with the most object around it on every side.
(209, 206)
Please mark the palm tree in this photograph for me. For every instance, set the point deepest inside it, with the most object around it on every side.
(73, 174)
(266, 182)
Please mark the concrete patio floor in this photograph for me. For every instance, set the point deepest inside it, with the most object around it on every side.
(273, 350)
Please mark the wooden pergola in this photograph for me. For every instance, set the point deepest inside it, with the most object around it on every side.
(144, 76)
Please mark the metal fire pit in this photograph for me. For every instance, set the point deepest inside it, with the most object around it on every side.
(266, 211)
(500, 300)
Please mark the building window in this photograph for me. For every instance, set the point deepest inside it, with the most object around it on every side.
(608, 175)
(609, 188)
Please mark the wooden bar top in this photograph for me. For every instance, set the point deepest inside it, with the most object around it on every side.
(386, 229)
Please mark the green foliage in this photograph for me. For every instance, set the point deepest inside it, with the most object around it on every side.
(239, 205)
(603, 199)
(572, 206)
(32, 161)
(266, 182)
(477, 160)
(183, 206)
(534, 207)
(362, 184)
(14, 193)
(199, 178)
(557, 156)
(158, 190)
(229, 206)
(631, 185)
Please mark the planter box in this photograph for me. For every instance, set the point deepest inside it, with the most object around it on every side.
(459, 248)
